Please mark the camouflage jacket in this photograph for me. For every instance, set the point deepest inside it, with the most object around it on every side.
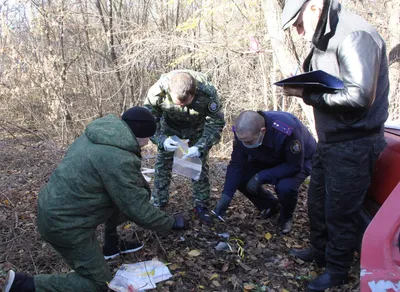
(201, 121)
(99, 175)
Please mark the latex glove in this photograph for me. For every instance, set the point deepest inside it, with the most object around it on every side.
(170, 145)
(180, 223)
(221, 207)
(192, 152)
(253, 185)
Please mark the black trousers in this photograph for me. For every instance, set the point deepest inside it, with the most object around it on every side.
(286, 189)
(340, 178)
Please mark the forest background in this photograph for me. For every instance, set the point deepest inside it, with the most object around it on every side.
(64, 63)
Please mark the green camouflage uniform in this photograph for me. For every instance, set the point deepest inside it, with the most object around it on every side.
(99, 180)
(201, 122)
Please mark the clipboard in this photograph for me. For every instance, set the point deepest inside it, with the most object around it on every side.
(318, 78)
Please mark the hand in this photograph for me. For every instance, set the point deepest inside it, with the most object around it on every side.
(180, 223)
(170, 145)
(253, 185)
(222, 206)
(293, 91)
(192, 152)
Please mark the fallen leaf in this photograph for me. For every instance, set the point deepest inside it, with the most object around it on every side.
(244, 266)
(284, 290)
(194, 253)
(214, 276)
(284, 263)
(127, 226)
(201, 287)
(268, 236)
(225, 267)
(248, 287)
(314, 274)
(216, 283)
(173, 267)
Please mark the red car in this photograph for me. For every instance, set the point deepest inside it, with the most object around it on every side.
(380, 250)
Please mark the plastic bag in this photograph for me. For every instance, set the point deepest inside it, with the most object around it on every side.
(139, 276)
(189, 167)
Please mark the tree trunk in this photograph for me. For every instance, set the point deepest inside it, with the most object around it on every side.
(283, 49)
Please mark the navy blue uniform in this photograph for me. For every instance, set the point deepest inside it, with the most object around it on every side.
(283, 160)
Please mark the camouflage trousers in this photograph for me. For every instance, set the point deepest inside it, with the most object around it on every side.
(162, 180)
(91, 272)
(340, 177)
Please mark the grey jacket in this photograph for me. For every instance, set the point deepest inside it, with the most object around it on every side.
(347, 46)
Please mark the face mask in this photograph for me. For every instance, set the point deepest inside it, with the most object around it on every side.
(257, 144)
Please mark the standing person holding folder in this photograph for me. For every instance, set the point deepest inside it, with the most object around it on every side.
(349, 124)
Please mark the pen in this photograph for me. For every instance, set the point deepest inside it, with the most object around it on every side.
(179, 146)
(218, 216)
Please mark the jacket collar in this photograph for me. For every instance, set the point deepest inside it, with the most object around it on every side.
(268, 137)
(327, 24)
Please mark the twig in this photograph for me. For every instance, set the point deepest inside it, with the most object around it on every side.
(16, 220)
(159, 241)
(22, 128)
(12, 239)
(13, 136)
(33, 262)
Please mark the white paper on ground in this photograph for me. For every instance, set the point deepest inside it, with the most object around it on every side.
(141, 276)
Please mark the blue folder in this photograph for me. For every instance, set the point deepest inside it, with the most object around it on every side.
(316, 78)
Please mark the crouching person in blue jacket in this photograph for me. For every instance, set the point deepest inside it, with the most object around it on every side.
(269, 148)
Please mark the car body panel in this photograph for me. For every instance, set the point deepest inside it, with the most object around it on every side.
(380, 250)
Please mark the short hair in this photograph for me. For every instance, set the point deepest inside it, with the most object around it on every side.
(182, 85)
(249, 122)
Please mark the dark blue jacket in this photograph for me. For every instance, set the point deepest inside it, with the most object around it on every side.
(286, 146)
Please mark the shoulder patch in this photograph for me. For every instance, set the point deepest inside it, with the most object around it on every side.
(295, 147)
(281, 127)
(213, 106)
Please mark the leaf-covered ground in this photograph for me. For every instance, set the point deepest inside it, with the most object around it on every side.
(259, 259)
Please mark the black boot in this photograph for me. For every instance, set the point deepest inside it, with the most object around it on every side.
(325, 281)
(309, 255)
(112, 247)
(19, 282)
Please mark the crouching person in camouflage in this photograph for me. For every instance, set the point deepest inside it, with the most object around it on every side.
(185, 104)
(99, 180)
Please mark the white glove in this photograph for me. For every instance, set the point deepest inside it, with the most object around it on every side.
(170, 145)
(192, 152)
